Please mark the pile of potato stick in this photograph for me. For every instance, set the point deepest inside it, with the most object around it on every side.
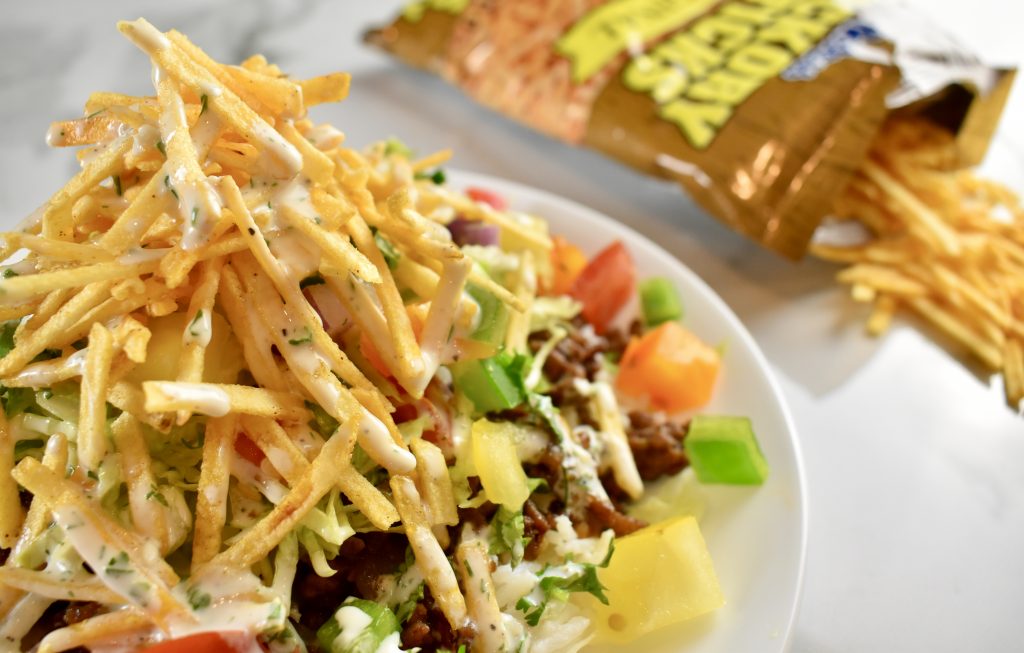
(946, 244)
(188, 202)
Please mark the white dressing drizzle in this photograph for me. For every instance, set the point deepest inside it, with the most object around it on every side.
(204, 398)
(110, 565)
(200, 329)
(353, 622)
(145, 139)
(440, 322)
(198, 204)
(149, 38)
(46, 373)
(287, 159)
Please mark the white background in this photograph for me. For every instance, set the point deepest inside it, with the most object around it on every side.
(915, 467)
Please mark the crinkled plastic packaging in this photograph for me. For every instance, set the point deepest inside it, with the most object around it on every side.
(761, 109)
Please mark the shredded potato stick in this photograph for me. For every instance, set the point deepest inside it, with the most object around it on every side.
(257, 351)
(938, 246)
(319, 477)
(217, 201)
(211, 499)
(474, 567)
(274, 442)
(56, 218)
(219, 399)
(56, 587)
(55, 458)
(430, 558)
(11, 513)
(94, 630)
(136, 466)
(18, 288)
(200, 328)
(92, 420)
(284, 161)
(326, 88)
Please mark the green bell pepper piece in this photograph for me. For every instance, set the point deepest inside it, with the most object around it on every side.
(347, 631)
(659, 301)
(724, 450)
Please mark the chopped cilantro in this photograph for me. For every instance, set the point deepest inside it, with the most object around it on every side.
(405, 609)
(9, 272)
(198, 599)
(437, 176)
(302, 338)
(118, 565)
(156, 495)
(167, 183)
(160, 146)
(194, 326)
(117, 185)
(202, 103)
(558, 588)
(507, 534)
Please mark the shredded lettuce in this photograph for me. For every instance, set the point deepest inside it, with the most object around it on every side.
(322, 531)
(546, 313)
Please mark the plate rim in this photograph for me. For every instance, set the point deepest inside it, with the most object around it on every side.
(468, 178)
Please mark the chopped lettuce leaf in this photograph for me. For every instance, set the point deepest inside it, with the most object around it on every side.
(7, 330)
(507, 534)
(557, 583)
(18, 400)
(322, 423)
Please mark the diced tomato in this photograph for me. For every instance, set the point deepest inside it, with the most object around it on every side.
(670, 366)
(405, 413)
(247, 449)
(567, 262)
(487, 197)
(605, 285)
(232, 642)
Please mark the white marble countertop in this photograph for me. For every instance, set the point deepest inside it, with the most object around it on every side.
(914, 464)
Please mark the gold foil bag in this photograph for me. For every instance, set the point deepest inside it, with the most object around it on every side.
(761, 109)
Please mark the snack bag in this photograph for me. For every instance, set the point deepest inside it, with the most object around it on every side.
(761, 109)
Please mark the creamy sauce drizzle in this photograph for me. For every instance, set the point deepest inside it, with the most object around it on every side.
(203, 398)
(110, 565)
(353, 622)
(150, 38)
(200, 329)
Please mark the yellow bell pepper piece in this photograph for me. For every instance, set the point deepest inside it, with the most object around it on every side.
(497, 463)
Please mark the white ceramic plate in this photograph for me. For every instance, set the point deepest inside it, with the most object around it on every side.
(757, 536)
